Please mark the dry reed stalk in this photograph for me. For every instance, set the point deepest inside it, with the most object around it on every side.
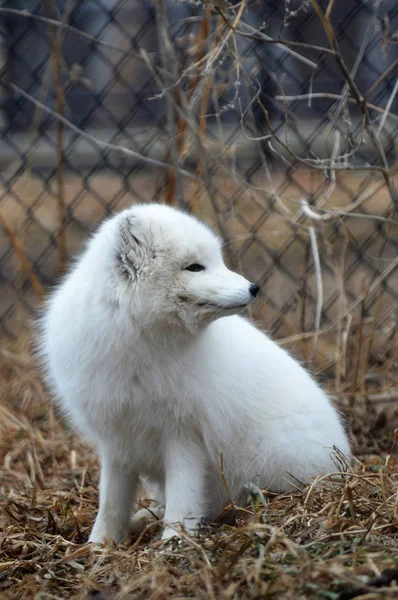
(359, 345)
(197, 188)
(202, 133)
(56, 59)
(169, 64)
(204, 31)
(304, 297)
(25, 262)
(340, 356)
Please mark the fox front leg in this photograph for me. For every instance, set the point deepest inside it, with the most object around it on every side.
(185, 467)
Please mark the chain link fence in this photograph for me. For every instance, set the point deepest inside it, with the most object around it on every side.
(274, 121)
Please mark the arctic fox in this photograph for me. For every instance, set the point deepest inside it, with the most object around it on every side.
(146, 355)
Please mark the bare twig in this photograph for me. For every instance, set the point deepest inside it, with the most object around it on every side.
(320, 164)
(393, 67)
(387, 110)
(327, 96)
(260, 36)
(361, 102)
(319, 287)
(100, 143)
(354, 69)
(329, 9)
(213, 56)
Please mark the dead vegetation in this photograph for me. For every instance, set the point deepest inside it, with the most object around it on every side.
(329, 541)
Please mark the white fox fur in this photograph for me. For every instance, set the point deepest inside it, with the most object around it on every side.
(148, 362)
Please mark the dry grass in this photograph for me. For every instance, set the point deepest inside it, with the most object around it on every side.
(327, 542)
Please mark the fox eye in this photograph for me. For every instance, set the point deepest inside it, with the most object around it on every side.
(195, 268)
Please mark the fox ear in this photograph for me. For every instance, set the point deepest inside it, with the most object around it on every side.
(133, 245)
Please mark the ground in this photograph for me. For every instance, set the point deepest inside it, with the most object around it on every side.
(333, 541)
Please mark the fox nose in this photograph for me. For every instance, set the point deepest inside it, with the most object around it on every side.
(254, 290)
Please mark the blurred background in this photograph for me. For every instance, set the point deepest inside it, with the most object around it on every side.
(275, 121)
